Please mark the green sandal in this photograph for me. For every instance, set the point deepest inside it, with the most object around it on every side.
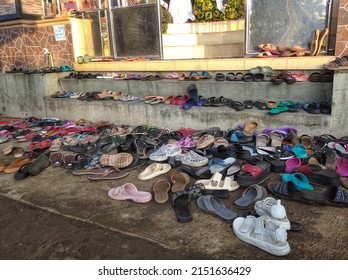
(278, 109)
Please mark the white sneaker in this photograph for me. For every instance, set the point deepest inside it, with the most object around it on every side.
(274, 210)
(164, 152)
(262, 233)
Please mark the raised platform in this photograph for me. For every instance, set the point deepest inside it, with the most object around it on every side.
(28, 95)
(138, 113)
(226, 64)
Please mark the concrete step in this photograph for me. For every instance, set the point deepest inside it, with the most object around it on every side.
(211, 38)
(204, 51)
(205, 27)
(300, 92)
(198, 117)
(17, 104)
(308, 63)
(174, 117)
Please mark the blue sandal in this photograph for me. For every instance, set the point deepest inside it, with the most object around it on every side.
(299, 180)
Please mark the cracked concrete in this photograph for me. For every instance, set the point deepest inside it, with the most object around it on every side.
(76, 198)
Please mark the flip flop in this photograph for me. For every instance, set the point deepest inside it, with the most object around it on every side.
(160, 190)
(215, 206)
(56, 159)
(154, 170)
(269, 47)
(180, 180)
(250, 128)
(180, 202)
(299, 180)
(233, 169)
(342, 167)
(278, 109)
(129, 192)
(300, 151)
(90, 170)
(282, 130)
(276, 139)
(341, 147)
(250, 195)
(218, 165)
(109, 174)
(266, 54)
(23, 172)
(292, 164)
(120, 160)
(16, 165)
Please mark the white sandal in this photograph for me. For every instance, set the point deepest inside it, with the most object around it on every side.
(215, 183)
(262, 233)
(274, 210)
(192, 159)
(164, 152)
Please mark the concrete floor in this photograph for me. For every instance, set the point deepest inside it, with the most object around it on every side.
(56, 190)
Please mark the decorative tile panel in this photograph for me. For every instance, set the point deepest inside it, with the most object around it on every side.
(342, 29)
(22, 47)
(7, 7)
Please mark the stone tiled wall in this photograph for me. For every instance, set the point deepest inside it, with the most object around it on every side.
(32, 7)
(342, 29)
(7, 7)
(22, 47)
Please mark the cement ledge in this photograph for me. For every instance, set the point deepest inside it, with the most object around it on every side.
(33, 23)
(138, 113)
(227, 64)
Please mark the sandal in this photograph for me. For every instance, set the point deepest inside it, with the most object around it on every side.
(219, 77)
(192, 159)
(180, 202)
(230, 76)
(254, 174)
(250, 195)
(263, 233)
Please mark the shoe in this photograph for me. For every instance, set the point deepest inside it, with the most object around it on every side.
(39, 164)
(164, 152)
(192, 159)
(274, 210)
(263, 233)
(154, 170)
(312, 108)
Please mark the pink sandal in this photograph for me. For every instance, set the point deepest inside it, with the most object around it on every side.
(292, 164)
(187, 142)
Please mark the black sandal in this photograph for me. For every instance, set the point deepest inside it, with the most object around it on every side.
(219, 77)
(260, 104)
(238, 106)
(248, 77)
(230, 76)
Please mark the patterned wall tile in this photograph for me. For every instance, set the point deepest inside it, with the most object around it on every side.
(343, 3)
(7, 7)
(23, 48)
(342, 29)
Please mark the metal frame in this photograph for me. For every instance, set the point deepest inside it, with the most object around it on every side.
(247, 18)
(110, 21)
(17, 14)
(124, 4)
(100, 26)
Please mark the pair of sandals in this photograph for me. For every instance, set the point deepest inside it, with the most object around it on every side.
(284, 76)
(83, 59)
